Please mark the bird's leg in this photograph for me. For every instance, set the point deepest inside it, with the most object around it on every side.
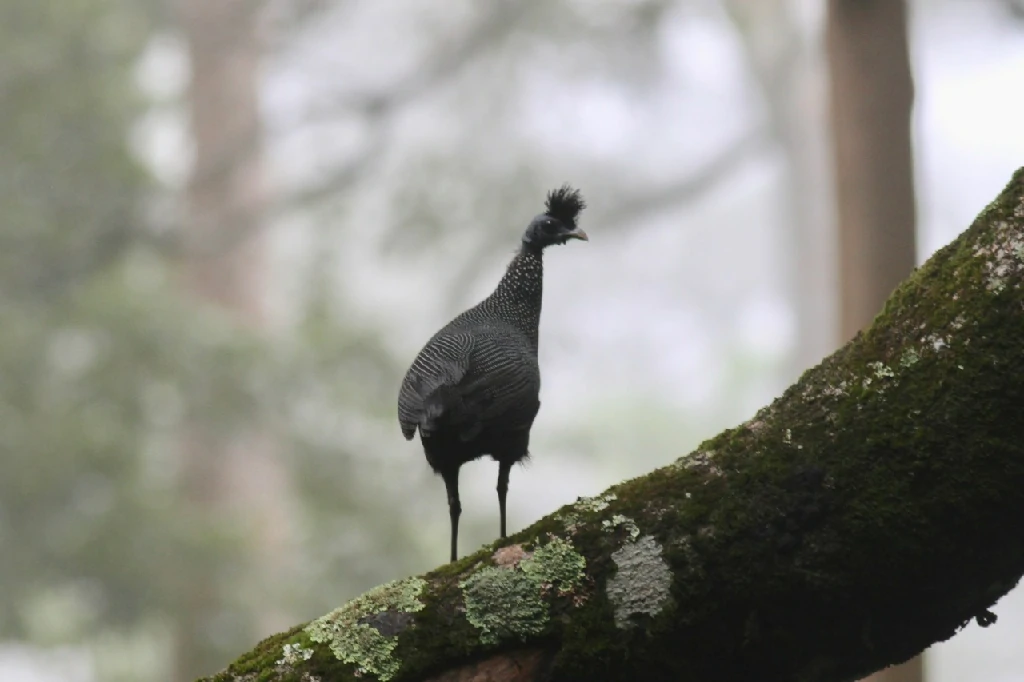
(503, 470)
(451, 484)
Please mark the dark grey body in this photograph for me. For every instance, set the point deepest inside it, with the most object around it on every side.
(474, 388)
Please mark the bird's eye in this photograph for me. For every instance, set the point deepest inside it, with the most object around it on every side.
(550, 226)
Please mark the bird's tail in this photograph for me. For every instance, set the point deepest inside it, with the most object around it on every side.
(435, 407)
(453, 408)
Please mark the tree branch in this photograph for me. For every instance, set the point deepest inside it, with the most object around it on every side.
(873, 509)
(376, 108)
(487, 32)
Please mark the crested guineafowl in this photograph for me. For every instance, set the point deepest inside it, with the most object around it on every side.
(474, 388)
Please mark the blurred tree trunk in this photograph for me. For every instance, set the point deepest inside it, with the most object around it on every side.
(227, 474)
(788, 71)
(226, 190)
(872, 99)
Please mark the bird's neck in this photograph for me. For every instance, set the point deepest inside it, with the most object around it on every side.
(522, 286)
(524, 278)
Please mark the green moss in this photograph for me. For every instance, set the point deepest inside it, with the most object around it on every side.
(369, 645)
(700, 458)
(262, 658)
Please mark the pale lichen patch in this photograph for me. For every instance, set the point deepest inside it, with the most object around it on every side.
(1003, 258)
(573, 519)
(620, 521)
(697, 458)
(594, 504)
(835, 391)
(881, 375)
(881, 370)
(354, 635)
(504, 604)
(557, 564)
(507, 602)
(909, 358)
(642, 583)
(294, 653)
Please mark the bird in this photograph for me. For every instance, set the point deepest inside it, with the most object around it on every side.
(473, 390)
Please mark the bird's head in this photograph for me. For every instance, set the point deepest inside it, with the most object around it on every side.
(557, 224)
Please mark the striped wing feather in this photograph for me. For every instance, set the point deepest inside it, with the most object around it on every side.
(481, 378)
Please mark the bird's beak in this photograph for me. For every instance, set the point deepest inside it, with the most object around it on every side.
(578, 234)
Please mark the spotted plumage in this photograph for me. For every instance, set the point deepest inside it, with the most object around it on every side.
(474, 388)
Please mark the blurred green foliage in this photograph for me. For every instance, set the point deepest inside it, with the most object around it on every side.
(103, 359)
(107, 365)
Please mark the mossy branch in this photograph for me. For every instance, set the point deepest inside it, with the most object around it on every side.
(872, 510)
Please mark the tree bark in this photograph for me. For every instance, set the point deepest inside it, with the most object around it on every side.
(872, 99)
(911, 671)
(873, 509)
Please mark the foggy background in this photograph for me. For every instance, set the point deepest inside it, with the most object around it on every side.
(227, 227)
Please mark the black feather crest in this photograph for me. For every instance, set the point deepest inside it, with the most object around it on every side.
(564, 204)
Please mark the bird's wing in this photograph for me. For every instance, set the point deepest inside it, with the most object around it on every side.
(475, 380)
(501, 383)
(443, 362)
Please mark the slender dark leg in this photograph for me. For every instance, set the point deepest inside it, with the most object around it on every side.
(503, 470)
(451, 484)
